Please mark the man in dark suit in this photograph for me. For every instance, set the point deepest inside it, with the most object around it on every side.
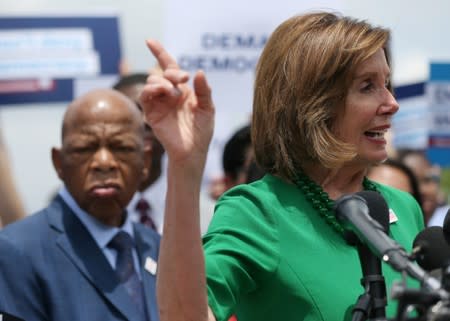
(86, 259)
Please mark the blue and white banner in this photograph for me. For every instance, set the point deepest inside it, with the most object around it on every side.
(48, 58)
(438, 93)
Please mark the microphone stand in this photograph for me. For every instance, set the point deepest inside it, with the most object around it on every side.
(372, 303)
(361, 309)
(367, 306)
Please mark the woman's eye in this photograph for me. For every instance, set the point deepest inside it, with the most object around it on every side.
(367, 86)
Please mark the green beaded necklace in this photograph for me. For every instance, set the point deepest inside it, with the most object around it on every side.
(320, 200)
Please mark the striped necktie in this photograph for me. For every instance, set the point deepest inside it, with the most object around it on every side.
(125, 271)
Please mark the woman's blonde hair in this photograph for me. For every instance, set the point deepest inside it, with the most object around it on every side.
(302, 79)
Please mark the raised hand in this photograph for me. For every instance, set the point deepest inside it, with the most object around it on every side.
(182, 117)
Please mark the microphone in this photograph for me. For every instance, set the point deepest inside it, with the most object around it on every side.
(377, 211)
(352, 211)
(446, 227)
(433, 254)
(430, 249)
(373, 280)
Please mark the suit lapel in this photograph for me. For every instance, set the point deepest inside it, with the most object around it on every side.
(147, 243)
(76, 242)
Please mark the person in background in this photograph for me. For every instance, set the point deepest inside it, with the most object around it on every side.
(274, 249)
(11, 206)
(438, 217)
(236, 155)
(147, 205)
(396, 174)
(254, 172)
(428, 177)
(86, 259)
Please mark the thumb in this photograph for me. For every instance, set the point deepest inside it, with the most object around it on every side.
(202, 91)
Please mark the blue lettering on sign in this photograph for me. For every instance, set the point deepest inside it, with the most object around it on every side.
(215, 63)
(226, 41)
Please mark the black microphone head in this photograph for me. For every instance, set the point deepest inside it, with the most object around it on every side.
(377, 208)
(446, 227)
(433, 250)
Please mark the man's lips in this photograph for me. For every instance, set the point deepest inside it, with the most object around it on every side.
(105, 190)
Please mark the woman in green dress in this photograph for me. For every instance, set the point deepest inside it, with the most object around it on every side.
(323, 102)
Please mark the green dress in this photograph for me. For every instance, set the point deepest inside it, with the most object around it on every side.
(270, 256)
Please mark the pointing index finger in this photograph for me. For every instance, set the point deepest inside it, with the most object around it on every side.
(164, 59)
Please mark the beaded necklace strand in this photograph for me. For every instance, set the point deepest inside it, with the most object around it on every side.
(320, 200)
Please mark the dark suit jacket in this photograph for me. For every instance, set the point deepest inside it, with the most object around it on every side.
(67, 276)
(10, 264)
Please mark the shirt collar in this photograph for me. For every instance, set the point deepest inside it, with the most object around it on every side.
(101, 233)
